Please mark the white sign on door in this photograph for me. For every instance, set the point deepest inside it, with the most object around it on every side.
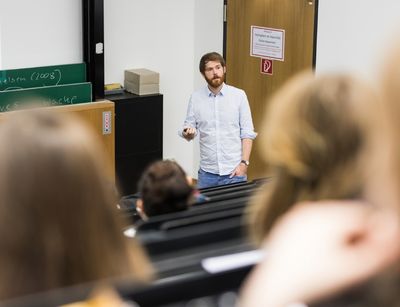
(267, 43)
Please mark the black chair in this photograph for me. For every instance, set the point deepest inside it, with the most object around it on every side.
(156, 222)
(224, 187)
(192, 231)
(205, 287)
(201, 289)
(211, 194)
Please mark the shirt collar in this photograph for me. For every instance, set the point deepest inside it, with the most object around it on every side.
(222, 92)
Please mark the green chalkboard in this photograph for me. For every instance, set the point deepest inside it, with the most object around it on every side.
(42, 76)
(46, 96)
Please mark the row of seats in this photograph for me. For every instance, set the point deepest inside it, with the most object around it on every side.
(208, 290)
(177, 242)
(178, 245)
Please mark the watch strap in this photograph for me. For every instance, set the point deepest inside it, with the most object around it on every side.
(245, 162)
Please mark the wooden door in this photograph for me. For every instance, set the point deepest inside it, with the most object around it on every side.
(296, 18)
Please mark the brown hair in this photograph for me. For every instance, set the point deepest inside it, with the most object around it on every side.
(311, 141)
(58, 221)
(211, 56)
(164, 188)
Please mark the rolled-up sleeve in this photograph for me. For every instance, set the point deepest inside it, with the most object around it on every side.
(246, 122)
(190, 120)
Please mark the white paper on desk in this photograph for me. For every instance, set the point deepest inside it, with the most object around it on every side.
(232, 261)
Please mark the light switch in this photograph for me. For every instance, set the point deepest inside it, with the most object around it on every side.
(99, 48)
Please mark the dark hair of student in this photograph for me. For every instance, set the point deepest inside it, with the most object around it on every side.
(164, 188)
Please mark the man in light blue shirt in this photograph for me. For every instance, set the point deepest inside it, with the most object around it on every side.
(221, 115)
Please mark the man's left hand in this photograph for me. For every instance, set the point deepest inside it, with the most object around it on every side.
(240, 170)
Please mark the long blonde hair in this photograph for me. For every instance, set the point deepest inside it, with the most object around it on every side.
(311, 139)
(58, 220)
(384, 176)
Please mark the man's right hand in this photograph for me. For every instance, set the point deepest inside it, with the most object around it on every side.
(189, 133)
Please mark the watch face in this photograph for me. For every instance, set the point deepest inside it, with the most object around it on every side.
(245, 162)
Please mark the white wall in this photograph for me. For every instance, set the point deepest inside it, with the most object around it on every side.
(209, 37)
(353, 35)
(40, 32)
(168, 37)
(165, 36)
(0, 48)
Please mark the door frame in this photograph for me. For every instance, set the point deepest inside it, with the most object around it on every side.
(93, 34)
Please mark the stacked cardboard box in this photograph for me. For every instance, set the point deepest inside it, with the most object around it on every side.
(142, 81)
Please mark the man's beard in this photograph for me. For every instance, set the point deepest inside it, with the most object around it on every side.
(215, 82)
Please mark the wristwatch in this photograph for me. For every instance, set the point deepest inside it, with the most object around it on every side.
(245, 162)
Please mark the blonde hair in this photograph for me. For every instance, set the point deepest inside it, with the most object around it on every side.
(385, 134)
(311, 140)
(58, 220)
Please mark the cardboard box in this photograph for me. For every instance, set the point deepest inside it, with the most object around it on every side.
(142, 89)
(142, 81)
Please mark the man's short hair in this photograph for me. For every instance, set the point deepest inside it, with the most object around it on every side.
(164, 188)
(211, 56)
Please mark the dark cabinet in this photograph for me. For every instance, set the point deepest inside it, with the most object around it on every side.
(138, 136)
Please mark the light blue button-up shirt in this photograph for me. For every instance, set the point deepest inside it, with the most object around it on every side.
(221, 121)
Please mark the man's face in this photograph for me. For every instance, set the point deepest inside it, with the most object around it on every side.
(214, 74)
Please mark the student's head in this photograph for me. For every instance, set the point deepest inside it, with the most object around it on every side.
(311, 141)
(58, 223)
(164, 188)
(384, 177)
(212, 67)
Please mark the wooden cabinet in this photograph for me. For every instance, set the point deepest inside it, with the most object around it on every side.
(93, 114)
(138, 136)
